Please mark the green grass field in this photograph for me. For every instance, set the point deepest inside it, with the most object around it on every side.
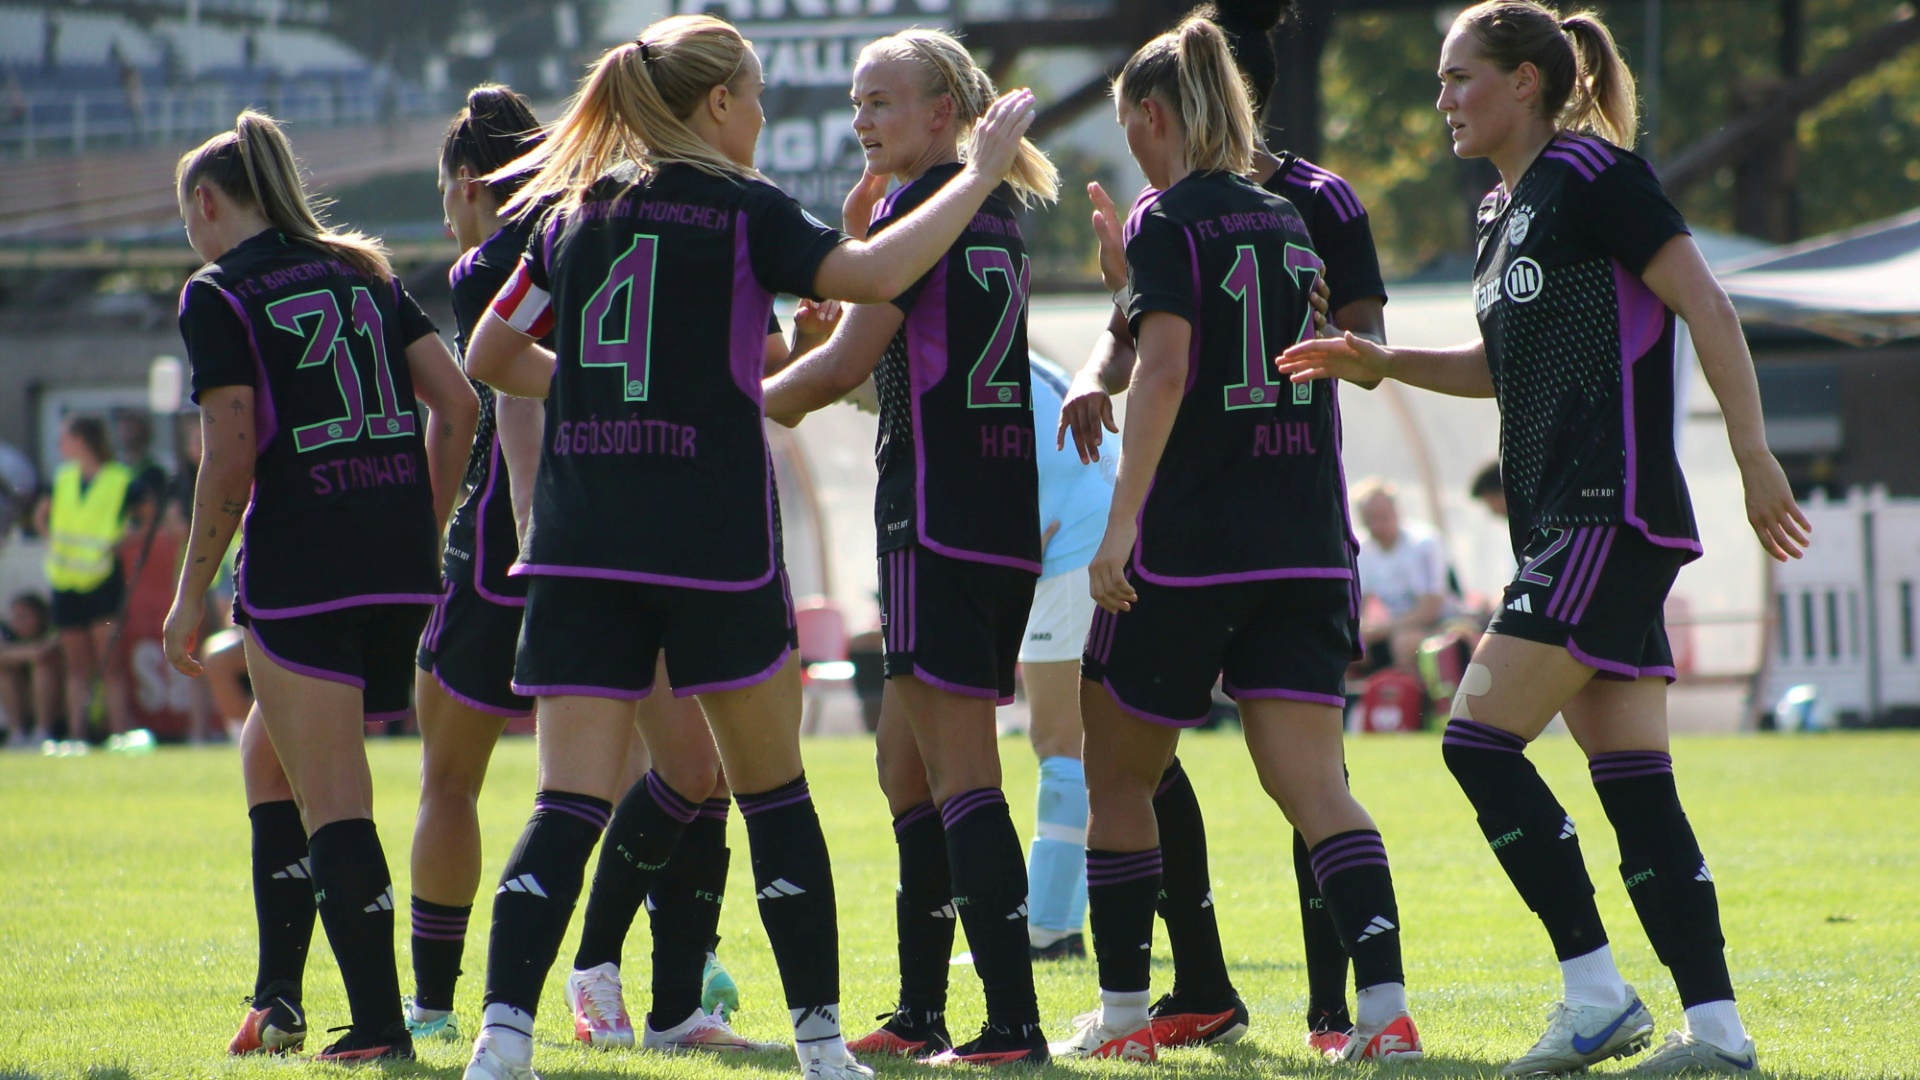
(126, 927)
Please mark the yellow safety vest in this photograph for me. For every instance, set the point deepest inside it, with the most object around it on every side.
(84, 527)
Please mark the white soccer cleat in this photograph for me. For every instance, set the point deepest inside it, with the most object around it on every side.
(1582, 1035)
(1093, 1039)
(847, 1068)
(1683, 1052)
(599, 1011)
(488, 1063)
(705, 1031)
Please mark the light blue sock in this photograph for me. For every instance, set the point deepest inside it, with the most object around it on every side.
(1057, 872)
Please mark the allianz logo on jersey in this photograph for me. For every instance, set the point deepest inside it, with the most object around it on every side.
(1522, 282)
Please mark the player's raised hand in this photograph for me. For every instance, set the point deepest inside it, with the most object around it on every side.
(1087, 408)
(996, 138)
(1777, 520)
(856, 212)
(1347, 356)
(1107, 228)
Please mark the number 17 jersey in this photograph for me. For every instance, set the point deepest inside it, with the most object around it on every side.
(657, 292)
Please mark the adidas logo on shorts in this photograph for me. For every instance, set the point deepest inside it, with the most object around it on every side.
(1378, 926)
(1524, 603)
(525, 883)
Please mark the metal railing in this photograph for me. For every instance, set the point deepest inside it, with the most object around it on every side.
(49, 123)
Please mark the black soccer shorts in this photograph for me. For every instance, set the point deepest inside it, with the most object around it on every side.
(598, 638)
(469, 650)
(954, 624)
(1289, 638)
(369, 646)
(1598, 591)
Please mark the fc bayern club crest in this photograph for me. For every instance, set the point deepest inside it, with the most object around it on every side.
(1518, 224)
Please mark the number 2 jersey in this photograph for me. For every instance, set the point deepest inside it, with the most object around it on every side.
(1250, 485)
(955, 449)
(482, 539)
(658, 293)
(342, 508)
(1581, 351)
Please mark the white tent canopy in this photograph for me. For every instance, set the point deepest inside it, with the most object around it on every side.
(1861, 286)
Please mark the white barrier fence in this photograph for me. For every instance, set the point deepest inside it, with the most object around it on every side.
(1844, 617)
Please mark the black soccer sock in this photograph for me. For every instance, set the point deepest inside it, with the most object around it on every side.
(1121, 889)
(684, 910)
(439, 939)
(1666, 876)
(536, 895)
(1186, 892)
(1326, 956)
(640, 839)
(923, 911)
(1530, 832)
(990, 890)
(354, 894)
(1351, 869)
(793, 881)
(282, 899)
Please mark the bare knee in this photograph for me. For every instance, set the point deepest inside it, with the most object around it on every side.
(693, 776)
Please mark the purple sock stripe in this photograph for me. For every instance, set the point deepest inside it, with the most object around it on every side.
(1340, 846)
(1324, 874)
(1593, 579)
(439, 922)
(716, 808)
(777, 799)
(1479, 736)
(587, 812)
(671, 802)
(1118, 870)
(438, 936)
(1569, 570)
(913, 816)
(1630, 764)
(957, 808)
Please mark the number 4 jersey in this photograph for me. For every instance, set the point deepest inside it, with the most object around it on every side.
(1250, 485)
(657, 293)
(955, 451)
(342, 510)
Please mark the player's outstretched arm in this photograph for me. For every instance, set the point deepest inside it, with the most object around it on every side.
(1679, 276)
(221, 491)
(1460, 371)
(1159, 383)
(834, 370)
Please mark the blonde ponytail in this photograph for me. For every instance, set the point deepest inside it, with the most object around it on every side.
(1584, 84)
(1191, 70)
(633, 110)
(948, 68)
(254, 165)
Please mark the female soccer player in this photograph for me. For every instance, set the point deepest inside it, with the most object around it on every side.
(1203, 1007)
(466, 664)
(651, 168)
(1229, 518)
(83, 522)
(957, 511)
(1583, 265)
(307, 354)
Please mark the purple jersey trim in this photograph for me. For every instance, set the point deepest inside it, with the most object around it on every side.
(476, 704)
(1163, 721)
(754, 679)
(1643, 321)
(1579, 164)
(1141, 204)
(1341, 573)
(959, 688)
(527, 569)
(752, 305)
(1237, 694)
(266, 419)
(308, 670)
(494, 467)
(257, 612)
(568, 690)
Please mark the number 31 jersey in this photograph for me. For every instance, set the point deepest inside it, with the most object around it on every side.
(342, 510)
(955, 450)
(658, 292)
(1250, 485)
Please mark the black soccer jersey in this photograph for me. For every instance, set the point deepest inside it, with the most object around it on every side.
(342, 510)
(657, 293)
(482, 540)
(1338, 224)
(955, 449)
(1582, 352)
(1250, 485)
